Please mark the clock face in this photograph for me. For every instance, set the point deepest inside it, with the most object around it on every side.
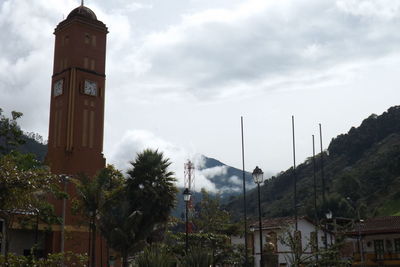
(58, 87)
(90, 88)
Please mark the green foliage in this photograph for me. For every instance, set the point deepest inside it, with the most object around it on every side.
(92, 194)
(155, 256)
(293, 241)
(11, 134)
(22, 180)
(198, 257)
(141, 206)
(151, 187)
(52, 260)
(211, 218)
(213, 228)
(218, 246)
(23, 184)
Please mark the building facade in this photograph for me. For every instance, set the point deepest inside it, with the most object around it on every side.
(276, 232)
(376, 242)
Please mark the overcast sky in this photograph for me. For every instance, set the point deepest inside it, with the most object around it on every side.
(181, 73)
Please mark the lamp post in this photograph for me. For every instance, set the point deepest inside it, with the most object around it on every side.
(329, 216)
(258, 177)
(186, 198)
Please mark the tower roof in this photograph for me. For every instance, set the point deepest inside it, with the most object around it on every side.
(82, 11)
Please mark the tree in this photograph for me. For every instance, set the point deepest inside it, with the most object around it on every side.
(215, 228)
(10, 132)
(22, 181)
(210, 217)
(298, 256)
(92, 193)
(130, 214)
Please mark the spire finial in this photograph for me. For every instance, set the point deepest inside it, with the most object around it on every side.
(82, 3)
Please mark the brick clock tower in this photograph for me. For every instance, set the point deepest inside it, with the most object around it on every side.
(75, 142)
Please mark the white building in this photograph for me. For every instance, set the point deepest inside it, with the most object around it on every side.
(276, 234)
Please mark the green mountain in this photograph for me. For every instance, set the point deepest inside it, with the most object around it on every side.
(230, 181)
(361, 170)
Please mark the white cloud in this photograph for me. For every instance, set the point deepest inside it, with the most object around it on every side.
(187, 75)
(235, 180)
(136, 141)
(210, 173)
(381, 9)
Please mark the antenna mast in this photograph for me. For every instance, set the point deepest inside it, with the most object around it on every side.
(189, 184)
(189, 175)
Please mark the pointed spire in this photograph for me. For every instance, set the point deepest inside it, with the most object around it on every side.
(82, 3)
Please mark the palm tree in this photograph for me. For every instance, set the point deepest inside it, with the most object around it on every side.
(92, 195)
(151, 187)
(132, 213)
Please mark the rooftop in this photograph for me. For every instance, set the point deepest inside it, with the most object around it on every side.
(82, 11)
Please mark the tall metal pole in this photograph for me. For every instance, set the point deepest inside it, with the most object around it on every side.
(323, 186)
(187, 228)
(315, 201)
(37, 229)
(244, 198)
(294, 177)
(260, 226)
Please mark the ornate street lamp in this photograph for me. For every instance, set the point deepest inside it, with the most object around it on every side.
(258, 177)
(329, 216)
(186, 198)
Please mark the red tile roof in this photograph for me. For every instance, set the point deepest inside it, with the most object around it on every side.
(278, 222)
(387, 224)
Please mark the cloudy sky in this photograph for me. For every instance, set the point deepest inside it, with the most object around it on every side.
(181, 73)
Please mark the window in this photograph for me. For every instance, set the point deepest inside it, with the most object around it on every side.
(87, 38)
(297, 239)
(64, 40)
(65, 63)
(85, 62)
(313, 241)
(379, 249)
(397, 245)
(92, 64)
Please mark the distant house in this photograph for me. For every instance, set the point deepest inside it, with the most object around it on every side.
(277, 250)
(376, 242)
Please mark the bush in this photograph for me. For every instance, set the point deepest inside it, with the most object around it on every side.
(198, 257)
(52, 260)
(155, 256)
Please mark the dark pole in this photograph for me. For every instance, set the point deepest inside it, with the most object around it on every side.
(323, 186)
(101, 251)
(37, 228)
(187, 228)
(260, 226)
(244, 198)
(36, 234)
(315, 200)
(294, 177)
(93, 225)
(90, 239)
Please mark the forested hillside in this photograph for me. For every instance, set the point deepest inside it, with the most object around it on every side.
(362, 171)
